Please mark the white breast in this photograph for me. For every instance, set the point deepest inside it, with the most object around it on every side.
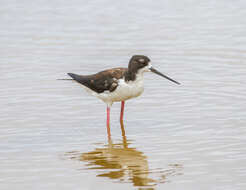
(124, 91)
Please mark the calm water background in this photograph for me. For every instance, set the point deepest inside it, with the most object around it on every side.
(191, 136)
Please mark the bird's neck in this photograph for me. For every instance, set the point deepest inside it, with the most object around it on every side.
(133, 75)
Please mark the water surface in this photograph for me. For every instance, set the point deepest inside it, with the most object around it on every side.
(53, 134)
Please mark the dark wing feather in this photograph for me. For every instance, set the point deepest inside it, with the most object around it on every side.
(102, 81)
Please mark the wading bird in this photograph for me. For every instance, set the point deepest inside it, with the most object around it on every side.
(118, 84)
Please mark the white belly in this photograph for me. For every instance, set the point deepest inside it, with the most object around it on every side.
(124, 91)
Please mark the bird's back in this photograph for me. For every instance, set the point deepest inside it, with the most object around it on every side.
(103, 81)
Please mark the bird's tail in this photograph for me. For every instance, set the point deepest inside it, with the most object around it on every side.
(80, 79)
(85, 80)
(76, 77)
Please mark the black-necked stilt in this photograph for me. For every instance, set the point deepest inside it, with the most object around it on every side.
(118, 84)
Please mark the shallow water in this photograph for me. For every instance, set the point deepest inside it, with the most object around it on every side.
(53, 134)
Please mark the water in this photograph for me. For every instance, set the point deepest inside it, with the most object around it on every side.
(53, 134)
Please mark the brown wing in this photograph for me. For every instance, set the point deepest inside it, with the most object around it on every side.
(102, 81)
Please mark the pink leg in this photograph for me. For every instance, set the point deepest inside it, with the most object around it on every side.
(122, 111)
(108, 121)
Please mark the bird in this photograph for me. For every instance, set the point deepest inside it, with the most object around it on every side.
(118, 84)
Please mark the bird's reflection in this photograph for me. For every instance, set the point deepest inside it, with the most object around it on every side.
(118, 161)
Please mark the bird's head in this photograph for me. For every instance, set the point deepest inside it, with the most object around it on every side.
(141, 64)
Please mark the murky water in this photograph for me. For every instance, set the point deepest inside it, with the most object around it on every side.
(53, 134)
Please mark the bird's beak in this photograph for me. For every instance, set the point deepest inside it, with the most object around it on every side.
(159, 73)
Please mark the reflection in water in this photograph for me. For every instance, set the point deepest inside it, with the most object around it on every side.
(123, 163)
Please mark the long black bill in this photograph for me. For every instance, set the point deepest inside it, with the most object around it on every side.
(159, 73)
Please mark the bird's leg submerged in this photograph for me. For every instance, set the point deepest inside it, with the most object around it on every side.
(108, 121)
(123, 133)
(122, 111)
